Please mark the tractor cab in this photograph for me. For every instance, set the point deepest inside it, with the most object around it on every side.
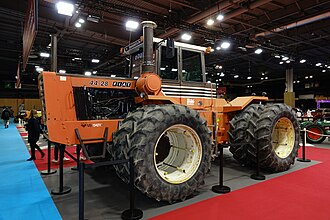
(180, 66)
(175, 61)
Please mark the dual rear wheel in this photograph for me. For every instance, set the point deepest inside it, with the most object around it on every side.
(273, 129)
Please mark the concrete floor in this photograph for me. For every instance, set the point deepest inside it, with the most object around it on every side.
(106, 196)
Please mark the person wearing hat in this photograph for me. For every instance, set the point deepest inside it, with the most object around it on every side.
(33, 129)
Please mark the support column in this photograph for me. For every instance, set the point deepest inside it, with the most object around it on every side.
(53, 66)
(289, 95)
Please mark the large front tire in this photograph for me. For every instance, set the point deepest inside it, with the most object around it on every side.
(171, 147)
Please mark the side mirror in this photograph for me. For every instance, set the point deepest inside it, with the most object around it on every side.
(170, 50)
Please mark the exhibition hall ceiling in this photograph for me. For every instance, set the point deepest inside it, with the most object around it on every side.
(287, 32)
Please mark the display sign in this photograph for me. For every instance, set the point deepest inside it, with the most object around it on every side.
(30, 29)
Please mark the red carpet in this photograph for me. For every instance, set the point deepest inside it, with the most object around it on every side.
(41, 163)
(303, 195)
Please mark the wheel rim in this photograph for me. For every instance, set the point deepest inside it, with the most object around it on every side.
(317, 136)
(177, 154)
(283, 137)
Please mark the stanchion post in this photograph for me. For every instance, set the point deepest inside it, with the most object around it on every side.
(48, 171)
(78, 157)
(81, 168)
(221, 188)
(132, 213)
(257, 175)
(303, 159)
(62, 189)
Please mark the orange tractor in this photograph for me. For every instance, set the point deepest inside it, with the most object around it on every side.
(167, 117)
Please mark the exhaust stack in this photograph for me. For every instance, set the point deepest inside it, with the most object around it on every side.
(148, 35)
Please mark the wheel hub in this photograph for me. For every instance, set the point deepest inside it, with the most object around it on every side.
(283, 137)
(177, 154)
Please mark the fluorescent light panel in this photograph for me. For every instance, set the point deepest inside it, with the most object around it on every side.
(65, 8)
(186, 37)
(225, 45)
(43, 54)
(131, 25)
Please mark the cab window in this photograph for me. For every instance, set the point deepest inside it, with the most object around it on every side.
(191, 66)
(168, 66)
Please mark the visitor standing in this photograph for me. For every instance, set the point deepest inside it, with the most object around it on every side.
(5, 117)
(33, 129)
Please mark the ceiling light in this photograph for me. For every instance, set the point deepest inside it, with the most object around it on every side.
(212, 50)
(249, 77)
(65, 8)
(62, 71)
(78, 25)
(186, 37)
(302, 61)
(288, 61)
(236, 76)
(277, 56)
(306, 77)
(266, 77)
(318, 64)
(222, 74)
(93, 18)
(39, 69)
(328, 67)
(323, 71)
(285, 58)
(95, 61)
(112, 75)
(298, 81)
(209, 81)
(225, 45)
(42, 54)
(220, 17)
(81, 20)
(311, 76)
(88, 73)
(174, 70)
(210, 22)
(94, 72)
(281, 62)
(262, 78)
(258, 51)
(131, 25)
(218, 48)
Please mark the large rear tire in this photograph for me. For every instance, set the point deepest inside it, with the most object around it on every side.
(171, 147)
(241, 132)
(315, 137)
(277, 136)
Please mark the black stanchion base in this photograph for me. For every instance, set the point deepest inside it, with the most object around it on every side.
(65, 190)
(74, 168)
(257, 177)
(46, 172)
(221, 189)
(132, 214)
(303, 160)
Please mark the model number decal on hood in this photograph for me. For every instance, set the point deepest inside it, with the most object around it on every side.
(121, 84)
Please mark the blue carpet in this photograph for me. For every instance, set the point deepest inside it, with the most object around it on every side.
(23, 194)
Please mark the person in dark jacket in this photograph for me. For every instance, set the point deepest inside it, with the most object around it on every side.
(5, 117)
(33, 129)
